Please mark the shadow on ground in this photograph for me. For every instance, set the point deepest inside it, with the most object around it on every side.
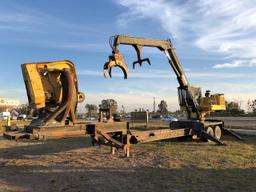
(43, 148)
(128, 179)
(74, 165)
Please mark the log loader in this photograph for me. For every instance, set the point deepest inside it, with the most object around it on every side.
(52, 90)
(190, 98)
(53, 95)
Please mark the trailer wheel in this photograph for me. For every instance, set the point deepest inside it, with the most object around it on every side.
(210, 131)
(217, 132)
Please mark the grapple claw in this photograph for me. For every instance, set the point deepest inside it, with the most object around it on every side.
(140, 62)
(116, 60)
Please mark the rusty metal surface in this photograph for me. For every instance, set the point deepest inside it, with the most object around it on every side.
(116, 60)
(114, 134)
(108, 114)
(52, 90)
(157, 135)
(190, 98)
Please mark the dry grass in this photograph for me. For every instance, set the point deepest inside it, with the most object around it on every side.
(73, 165)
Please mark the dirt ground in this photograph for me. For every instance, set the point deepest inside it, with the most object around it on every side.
(75, 165)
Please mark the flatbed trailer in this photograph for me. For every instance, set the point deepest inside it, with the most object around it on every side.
(52, 132)
(120, 135)
(122, 138)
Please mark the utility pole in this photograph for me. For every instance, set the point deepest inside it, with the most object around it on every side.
(123, 110)
(154, 105)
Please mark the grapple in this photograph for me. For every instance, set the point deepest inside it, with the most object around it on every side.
(116, 60)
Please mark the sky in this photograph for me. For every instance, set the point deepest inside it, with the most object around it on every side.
(215, 41)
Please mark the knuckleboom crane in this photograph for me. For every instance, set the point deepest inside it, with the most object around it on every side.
(190, 98)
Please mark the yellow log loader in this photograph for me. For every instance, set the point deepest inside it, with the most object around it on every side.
(191, 99)
(52, 90)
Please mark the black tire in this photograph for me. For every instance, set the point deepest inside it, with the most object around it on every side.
(210, 131)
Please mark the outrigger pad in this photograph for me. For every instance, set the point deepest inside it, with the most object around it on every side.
(116, 60)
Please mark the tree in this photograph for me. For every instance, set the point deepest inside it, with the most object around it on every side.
(24, 109)
(233, 108)
(253, 106)
(180, 113)
(109, 103)
(91, 110)
(162, 108)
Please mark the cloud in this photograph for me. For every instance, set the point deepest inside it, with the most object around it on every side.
(137, 99)
(227, 27)
(15, 93)
(236, 64)
(158, 10)
(61, 44)
(168, 74)
(134, 98)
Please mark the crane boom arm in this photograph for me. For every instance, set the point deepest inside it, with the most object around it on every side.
(162, 45)
(189, 96)
(186, 95)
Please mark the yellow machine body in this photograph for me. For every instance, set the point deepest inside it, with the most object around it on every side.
(52, 91)
(213, 103)
(44, 87)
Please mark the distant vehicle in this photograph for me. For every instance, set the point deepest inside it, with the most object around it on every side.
(90, 118)
(117, 117)
(22, 117)
(104, 119)
(156, 117)
(169, 119)
(4, 115)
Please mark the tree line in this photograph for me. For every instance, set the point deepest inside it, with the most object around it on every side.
(232, 109)
(92, 109)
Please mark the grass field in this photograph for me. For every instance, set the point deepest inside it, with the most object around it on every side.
(74, 165)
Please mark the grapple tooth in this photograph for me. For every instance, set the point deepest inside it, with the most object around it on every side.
(105, 71)
(116, 60)
(110, 71)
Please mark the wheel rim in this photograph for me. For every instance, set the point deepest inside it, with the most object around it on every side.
(217, 132)
(210, 132)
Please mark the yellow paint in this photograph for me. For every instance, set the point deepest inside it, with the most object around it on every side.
(43, 82)
(218, 107)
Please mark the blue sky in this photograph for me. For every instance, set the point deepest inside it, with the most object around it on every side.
(215, 41)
